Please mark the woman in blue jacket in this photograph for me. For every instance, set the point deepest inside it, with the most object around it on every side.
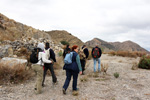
(72, 70)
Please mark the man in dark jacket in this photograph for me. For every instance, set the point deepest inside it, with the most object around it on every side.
(50, 55)
(96, 54)
(83, 60)
(66, 50)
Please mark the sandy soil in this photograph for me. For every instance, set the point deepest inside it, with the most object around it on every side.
(131, 84)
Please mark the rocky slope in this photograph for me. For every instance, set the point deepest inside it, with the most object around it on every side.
(116, 46)
(12, 30)
(58, 36)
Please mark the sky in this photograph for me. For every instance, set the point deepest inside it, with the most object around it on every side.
(109, 20)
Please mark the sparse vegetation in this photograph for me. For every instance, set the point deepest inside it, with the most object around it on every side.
(14, 74)
(116, 75)
(84, 79)
(144, 63)
(60, 53)
(127, 54)
(64, 42)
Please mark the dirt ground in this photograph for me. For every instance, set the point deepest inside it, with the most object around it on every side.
(131, 84)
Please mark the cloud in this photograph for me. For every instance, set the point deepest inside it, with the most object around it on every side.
(109, 20)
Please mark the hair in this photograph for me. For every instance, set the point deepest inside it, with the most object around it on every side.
(74, 47)
(46, 45)
(68, 46)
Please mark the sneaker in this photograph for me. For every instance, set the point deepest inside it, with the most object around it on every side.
(64, 91)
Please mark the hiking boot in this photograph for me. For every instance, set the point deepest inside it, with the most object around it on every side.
(76, 89)
(64, 91)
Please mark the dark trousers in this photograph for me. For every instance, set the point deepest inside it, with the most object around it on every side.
(83, 65)
(50, 67)
(70, 73)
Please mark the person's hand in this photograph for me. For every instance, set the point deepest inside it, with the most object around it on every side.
(80, 72)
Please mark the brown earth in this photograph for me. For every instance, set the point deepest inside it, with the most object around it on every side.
(131, 84)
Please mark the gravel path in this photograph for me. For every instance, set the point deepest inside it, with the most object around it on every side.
(131, 84)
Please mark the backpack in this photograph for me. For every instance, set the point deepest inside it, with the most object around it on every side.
(96, 53)
(34, 55)
(68, 58)
(81, 54)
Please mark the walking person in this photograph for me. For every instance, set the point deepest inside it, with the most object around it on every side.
(72, 70)
(51, 56)
(96, 54)
(84, 53)
(37, 67)
(66, 50)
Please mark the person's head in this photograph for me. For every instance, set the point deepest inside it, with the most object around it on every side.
(67, 46)
(46, 45)
(83, 46)
(75, 48)
(41, 46)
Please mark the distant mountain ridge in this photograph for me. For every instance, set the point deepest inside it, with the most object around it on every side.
(116, 46)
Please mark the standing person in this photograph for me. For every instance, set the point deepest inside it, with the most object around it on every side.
(84, 53)
(96, 54)
(72, 70)
(66, 50)
(37, 67)
(49, 55)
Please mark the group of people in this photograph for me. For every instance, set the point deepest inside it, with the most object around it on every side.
(46, 59)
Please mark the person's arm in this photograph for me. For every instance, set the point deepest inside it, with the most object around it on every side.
(79, 63)
(52, 55)
(44, 58)
(92, 52)
(100, 51)
(86, 52)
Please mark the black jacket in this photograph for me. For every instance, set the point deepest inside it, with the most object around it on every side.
(100, 51)
(86, 52)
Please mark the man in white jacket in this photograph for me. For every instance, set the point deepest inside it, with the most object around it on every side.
(38, 68)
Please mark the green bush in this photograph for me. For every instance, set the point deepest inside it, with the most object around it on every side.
(64, 42)
(144, 63)
(116, 75)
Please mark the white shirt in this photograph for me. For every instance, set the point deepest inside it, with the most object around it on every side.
(42, 56)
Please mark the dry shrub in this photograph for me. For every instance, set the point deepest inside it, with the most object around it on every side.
(144, 62)
(134, 66)
(22, 52)
(84, 79)
(14, 74)
(133, 54)
(75, 93)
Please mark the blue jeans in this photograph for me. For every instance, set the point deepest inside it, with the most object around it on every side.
(99, 64)
(70, 73)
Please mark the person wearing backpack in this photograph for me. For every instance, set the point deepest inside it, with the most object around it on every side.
(72, 69)
(96, 54)
(51, 56)
(84, 53)
(37, 59)
(66, 50)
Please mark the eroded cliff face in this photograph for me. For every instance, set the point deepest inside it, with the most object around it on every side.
(12, 30)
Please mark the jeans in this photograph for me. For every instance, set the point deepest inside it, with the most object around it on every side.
(50, 67)
(69, 74)
(99, 64)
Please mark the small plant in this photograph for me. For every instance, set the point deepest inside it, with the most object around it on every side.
(116, 75)
(144, 63)
(95, 75)
(134, 66)
(84, 79)
(60, 53)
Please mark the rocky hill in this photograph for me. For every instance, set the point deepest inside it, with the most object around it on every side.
(116, 46)
(12, 30)
(58, 36)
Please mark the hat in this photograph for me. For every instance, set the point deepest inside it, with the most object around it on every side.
(41, 46)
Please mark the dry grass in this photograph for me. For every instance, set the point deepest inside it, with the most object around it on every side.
(127, 54)
(14, 74)
(84, 79)
(104, 67)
